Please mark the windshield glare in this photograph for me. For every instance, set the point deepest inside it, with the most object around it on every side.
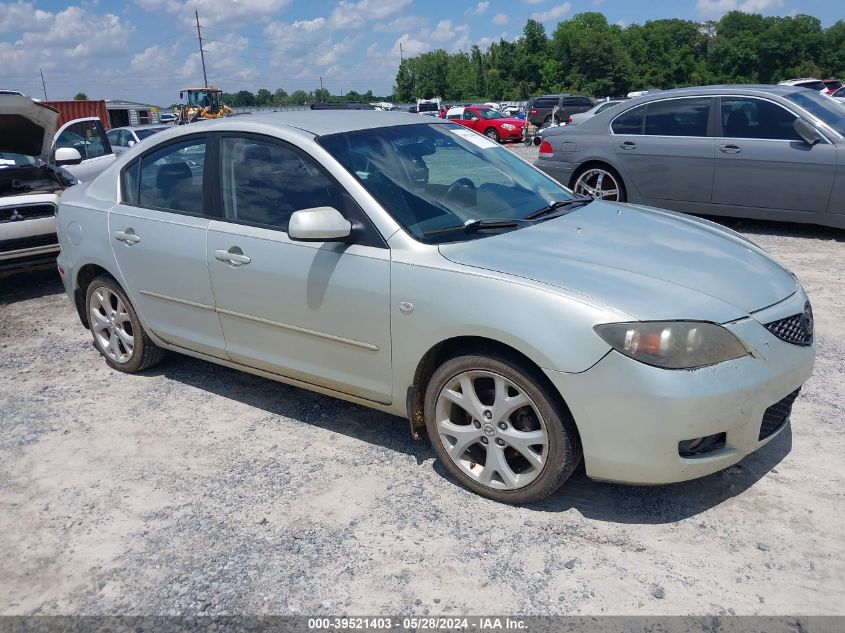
(822, 107)
(432, 176)
(489, 113)
(9, 159)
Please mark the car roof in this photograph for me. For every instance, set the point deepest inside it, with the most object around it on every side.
(749, 89)
(146, 126)
(323, 122)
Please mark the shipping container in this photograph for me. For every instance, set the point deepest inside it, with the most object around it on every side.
(70, 110)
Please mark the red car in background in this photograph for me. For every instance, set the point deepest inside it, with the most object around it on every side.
(492, 123)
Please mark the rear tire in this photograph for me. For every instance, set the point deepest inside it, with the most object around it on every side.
(497, 410)
(599, 181)
(117, 331)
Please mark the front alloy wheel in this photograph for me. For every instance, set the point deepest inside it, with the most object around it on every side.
(500, 428)
(492, 430)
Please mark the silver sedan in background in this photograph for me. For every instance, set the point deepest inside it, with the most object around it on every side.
(123, 138)
(767, 152)
(414, 266)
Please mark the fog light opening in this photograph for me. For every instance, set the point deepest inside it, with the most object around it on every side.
(699, 446)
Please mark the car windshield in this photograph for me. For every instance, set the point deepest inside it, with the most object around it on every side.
(822, 107)
(435, 176)
(489, 113)
(142, 134)
(8, 159)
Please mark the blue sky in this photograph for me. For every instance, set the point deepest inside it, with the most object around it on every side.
(146, 50)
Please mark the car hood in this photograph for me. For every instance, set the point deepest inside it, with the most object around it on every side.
(648, 263)
(26, 126)
(511, 120)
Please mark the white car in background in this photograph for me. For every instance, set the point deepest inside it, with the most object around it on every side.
(580, 117)
(35, 168)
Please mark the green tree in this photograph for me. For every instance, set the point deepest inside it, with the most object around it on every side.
(300, 97)
(280, 97)
(263, 97)
(80, 96)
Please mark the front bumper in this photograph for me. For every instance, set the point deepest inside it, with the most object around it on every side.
(631, 416)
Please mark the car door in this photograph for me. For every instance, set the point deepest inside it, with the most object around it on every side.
(762, 162)
(158, 236)
(316, 312)
(89, 138)
(471, 120)
(666, 149)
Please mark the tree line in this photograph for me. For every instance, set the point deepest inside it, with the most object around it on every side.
(587, 55)
(264, 98)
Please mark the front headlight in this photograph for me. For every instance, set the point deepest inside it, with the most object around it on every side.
(673, 344)
(508, 126)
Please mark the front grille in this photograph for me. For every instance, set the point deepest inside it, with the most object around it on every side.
(776, 415)
(26, 212)
(796, 329)
(7, 246)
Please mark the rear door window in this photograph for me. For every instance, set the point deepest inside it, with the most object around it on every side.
(172, 177)
(678, 117)
(630, 122)
(747, 117)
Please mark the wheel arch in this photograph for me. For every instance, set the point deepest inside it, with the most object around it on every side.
(459, 346)
(84, 276)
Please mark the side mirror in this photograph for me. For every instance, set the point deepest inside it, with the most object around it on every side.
(130, 144)
(67, 156)
(320, 224)
(807, 132)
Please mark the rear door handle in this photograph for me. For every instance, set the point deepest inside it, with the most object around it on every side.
(628, 145)
(234, 256)
(128, 237)
(730, 149)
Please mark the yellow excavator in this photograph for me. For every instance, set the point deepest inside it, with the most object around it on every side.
(201, 103)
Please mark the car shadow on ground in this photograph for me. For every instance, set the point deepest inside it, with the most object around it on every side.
(31, 283)
(613, 503)
(783, 229)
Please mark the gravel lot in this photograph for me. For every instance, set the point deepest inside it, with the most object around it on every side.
(193, 488)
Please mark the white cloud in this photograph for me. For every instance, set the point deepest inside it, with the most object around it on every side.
(353, 15)
(500, 19)
(480, 8)
(554, 13)
(716, 8)
(217, 12)
(533, 1)
(411, 47)
(404, 23)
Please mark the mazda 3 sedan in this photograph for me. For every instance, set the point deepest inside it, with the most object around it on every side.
(415, 267)
(765, 152)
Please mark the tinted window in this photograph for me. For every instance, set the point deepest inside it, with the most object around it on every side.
(577, 101)
(630, 122)
(129, 183)
(113, 137)
(87, 137)
(811, 85)
(546, 102)
(469, 115)
(606, 106)
(746, 117)
(171, 178)
(264, 183)
(677, 117)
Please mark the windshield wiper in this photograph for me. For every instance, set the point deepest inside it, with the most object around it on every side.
(559, 204)
(470, 226)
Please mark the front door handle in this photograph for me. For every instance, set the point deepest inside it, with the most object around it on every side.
(128, 237)
(234, 256)
(628, 145)
(730, 149)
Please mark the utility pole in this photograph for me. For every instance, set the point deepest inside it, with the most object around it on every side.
(43, 84)
(202, 53)
(400, 53)
(321, 89)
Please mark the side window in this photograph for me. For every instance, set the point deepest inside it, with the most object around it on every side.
(129, 183)
(584, 102)
(546, 102)
(469, 115)
(630, 122)
(125, 137)
(86, 136)
(264, 183)
(171, 178)
(747, 117)
(677, 117)
(114, 137)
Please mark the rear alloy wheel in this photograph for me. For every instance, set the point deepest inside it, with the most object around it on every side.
(600, 183)
(118, 334)
(498, 431)
(492, 134)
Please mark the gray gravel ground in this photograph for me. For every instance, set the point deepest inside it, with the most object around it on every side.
(195, 489)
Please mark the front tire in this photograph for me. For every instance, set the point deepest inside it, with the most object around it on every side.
(492, 134)
(118, 334)
(499, 429)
